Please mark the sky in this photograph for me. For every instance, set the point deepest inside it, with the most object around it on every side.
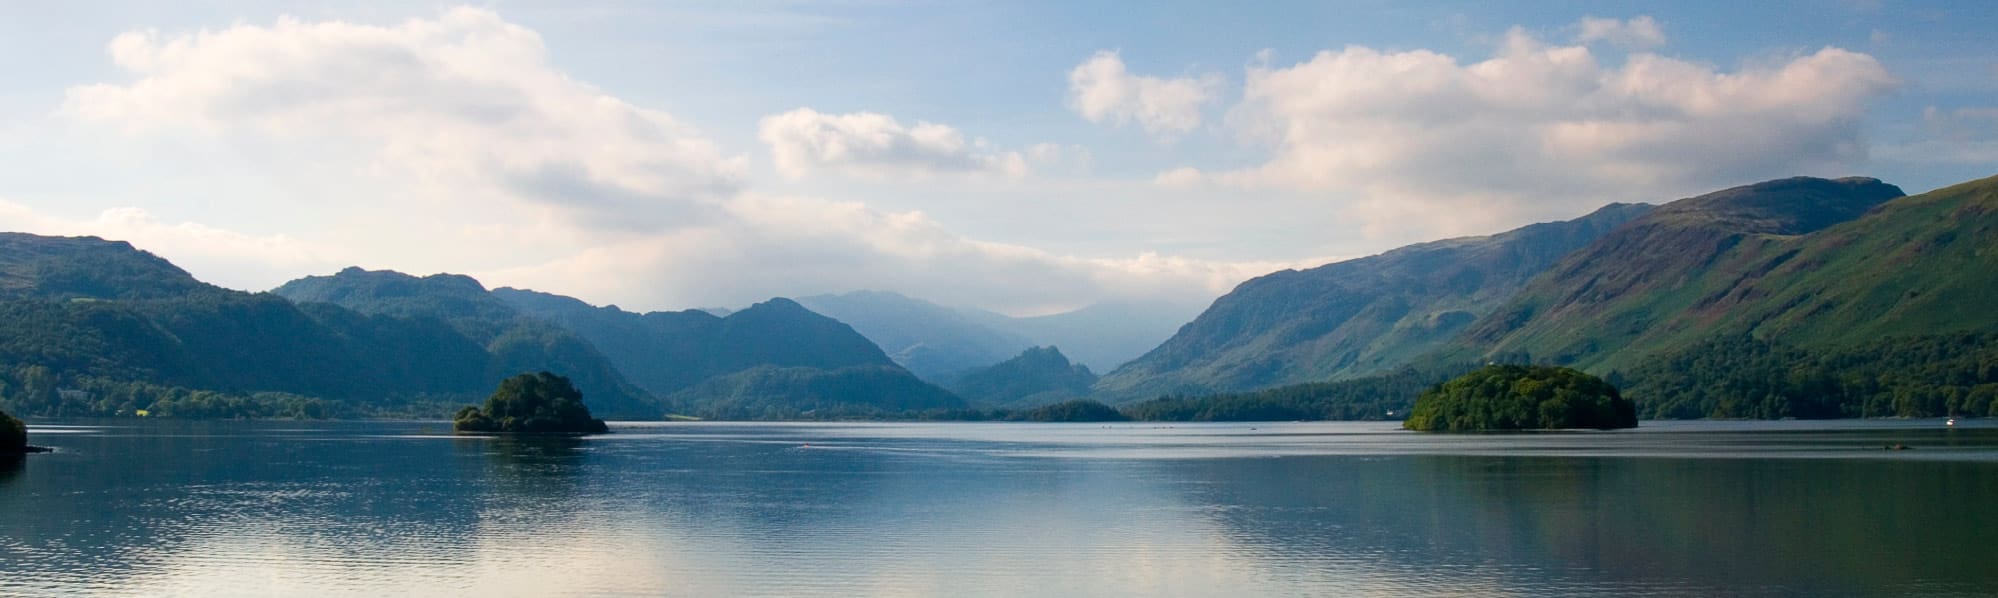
(1023, 157)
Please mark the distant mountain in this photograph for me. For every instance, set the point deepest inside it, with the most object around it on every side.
(939, 342)
(1353, 318)
(1106, 335)
(666, 352)
(1038, 376)
(1744, 257)
(934, 341)
(670, 354)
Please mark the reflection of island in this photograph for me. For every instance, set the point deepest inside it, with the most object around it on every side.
(10, 468)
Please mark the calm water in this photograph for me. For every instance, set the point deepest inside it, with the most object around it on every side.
(370, 509)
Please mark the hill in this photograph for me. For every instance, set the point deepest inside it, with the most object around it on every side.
(668, 354)
(1785, 314)
(1037, 376)
(1353, 318)
(515, 343)
(772, 392)
(95, 327)
(1670, 277)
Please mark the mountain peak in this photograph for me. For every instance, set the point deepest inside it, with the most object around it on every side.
(1038, 376)
(63, 267)
(1790, 206)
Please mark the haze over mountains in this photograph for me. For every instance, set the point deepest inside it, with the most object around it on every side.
(939, 342)
(1796, 297)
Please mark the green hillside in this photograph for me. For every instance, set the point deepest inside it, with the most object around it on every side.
(1353, 318)
(95, 327)
(1664, 280)
(516, 343)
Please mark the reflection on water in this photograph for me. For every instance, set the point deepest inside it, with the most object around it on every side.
(261, 509)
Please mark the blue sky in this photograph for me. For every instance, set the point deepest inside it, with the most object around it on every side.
(1024, 157)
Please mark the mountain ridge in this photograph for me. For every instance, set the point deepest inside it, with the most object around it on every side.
(1354, 317)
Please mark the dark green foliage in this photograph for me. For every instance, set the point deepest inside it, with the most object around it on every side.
(13, 435)
(509, 340)
(1038, 376)
(1078, 410)
(1513, 397)
(541, 403)
(1372, 398)
(1353, 318)
(1739, 376)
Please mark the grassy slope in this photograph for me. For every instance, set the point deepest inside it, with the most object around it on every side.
(1914, 265)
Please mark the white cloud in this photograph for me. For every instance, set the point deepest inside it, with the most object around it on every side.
(230, 258)
(465, 104)
(1418, 139)
(1102, 90)
(1966, 135)
(1641, 33)
(873, 145)
(466, 110)
(1180, 178)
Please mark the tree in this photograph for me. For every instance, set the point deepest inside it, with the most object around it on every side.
(13, 435)
(541, 403)
(1512, 397)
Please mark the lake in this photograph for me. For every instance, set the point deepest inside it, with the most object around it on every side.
(131, 507)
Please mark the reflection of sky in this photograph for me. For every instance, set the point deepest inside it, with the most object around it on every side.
(954, 509)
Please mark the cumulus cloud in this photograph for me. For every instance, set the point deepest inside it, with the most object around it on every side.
(465, 103)
(1420, 139)
(467, 109)
(1641, 33)
(874, 145)
(1103, 91)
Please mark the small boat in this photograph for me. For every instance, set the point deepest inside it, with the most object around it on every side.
(1950, 422)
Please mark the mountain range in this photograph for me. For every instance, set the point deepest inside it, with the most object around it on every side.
(939, 342)
(1800, 297)
(122, 330)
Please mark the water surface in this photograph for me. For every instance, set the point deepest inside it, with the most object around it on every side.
(1311, 509)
